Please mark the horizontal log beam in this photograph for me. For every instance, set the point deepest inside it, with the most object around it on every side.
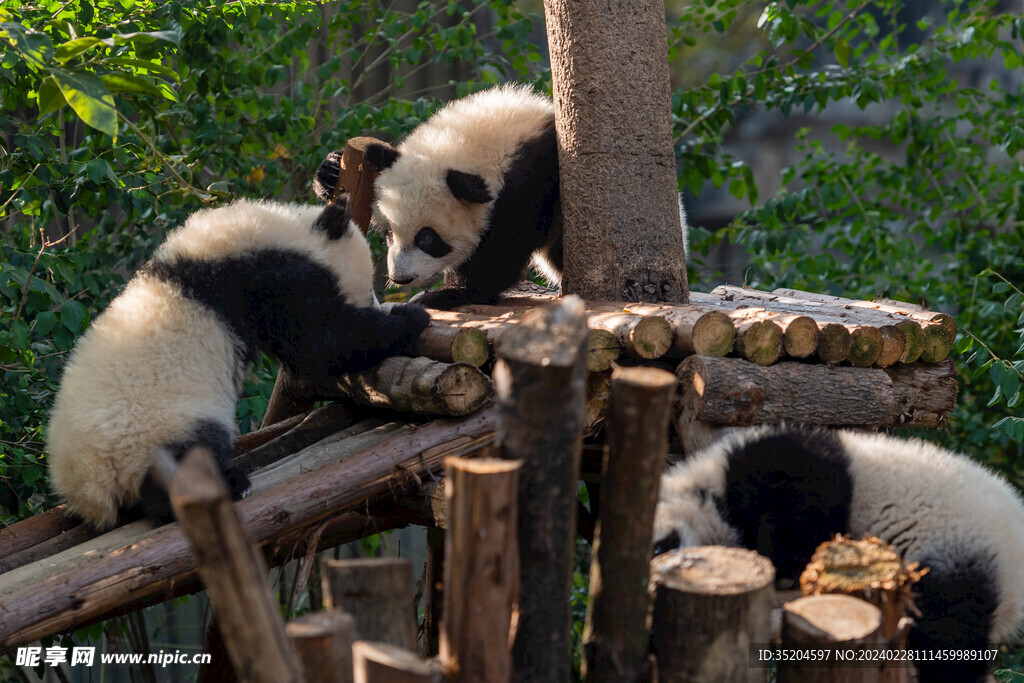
(732, 392)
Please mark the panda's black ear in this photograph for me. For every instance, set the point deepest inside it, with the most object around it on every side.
(380, 156)
(468, 186)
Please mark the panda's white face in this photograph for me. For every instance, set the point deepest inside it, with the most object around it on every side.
(428, 228)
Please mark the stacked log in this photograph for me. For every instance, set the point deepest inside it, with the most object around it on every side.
(761, 327)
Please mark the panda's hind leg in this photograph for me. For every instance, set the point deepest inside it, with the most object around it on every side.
(154, 503)
(957, 605)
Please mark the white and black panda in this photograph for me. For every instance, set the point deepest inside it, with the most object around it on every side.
(472, 192)
(163, 365)
(783, 491)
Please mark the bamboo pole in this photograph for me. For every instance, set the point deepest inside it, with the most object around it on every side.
(540, 380)
(481, 570)
(234, 574)
(615, 636)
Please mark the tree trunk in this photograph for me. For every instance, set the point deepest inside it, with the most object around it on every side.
(623, 236)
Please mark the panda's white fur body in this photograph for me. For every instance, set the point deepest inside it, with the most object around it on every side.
(163, 365)
(472, 192)
(117, 380)
(783, 491)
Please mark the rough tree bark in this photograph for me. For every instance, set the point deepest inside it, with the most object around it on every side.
(623, 237)
(540, 381)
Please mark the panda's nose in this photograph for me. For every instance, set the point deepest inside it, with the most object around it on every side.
(404, 281)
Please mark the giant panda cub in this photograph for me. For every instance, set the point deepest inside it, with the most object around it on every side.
(783, 491)
(163, 365)
(472, 192)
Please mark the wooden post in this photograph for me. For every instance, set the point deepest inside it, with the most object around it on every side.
(433, 588)
(386, 663)
(323, 641)
(481, 569)
(233, 572)
(613, 115)
(615, 636)
(281, 405)
(832, 621)
(378, 593)
(710, 604)
(540, 381)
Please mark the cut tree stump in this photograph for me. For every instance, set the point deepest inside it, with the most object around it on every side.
(323, 642)
(833, 622)
(386, 663)
(710, 604)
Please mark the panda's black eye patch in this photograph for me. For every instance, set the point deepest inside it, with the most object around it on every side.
(670, 542)
(431, 243)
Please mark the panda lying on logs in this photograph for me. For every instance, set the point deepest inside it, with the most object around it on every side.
(472, 192)
(784, 491)
(163, 365)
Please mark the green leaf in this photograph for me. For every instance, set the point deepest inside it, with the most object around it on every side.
(90, 99)
(137, 64)
(72, 315)
(100, 169)
(45, 322)
(842, 53)
(36, 48)
(124, 82)
(172, 36)
(50, 98)
(65, 52)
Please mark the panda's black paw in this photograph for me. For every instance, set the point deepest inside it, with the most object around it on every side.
(447, 299)
(327, 176)
(238, 483)
(415, 317)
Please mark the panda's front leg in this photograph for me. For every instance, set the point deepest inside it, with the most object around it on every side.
(343, 338)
